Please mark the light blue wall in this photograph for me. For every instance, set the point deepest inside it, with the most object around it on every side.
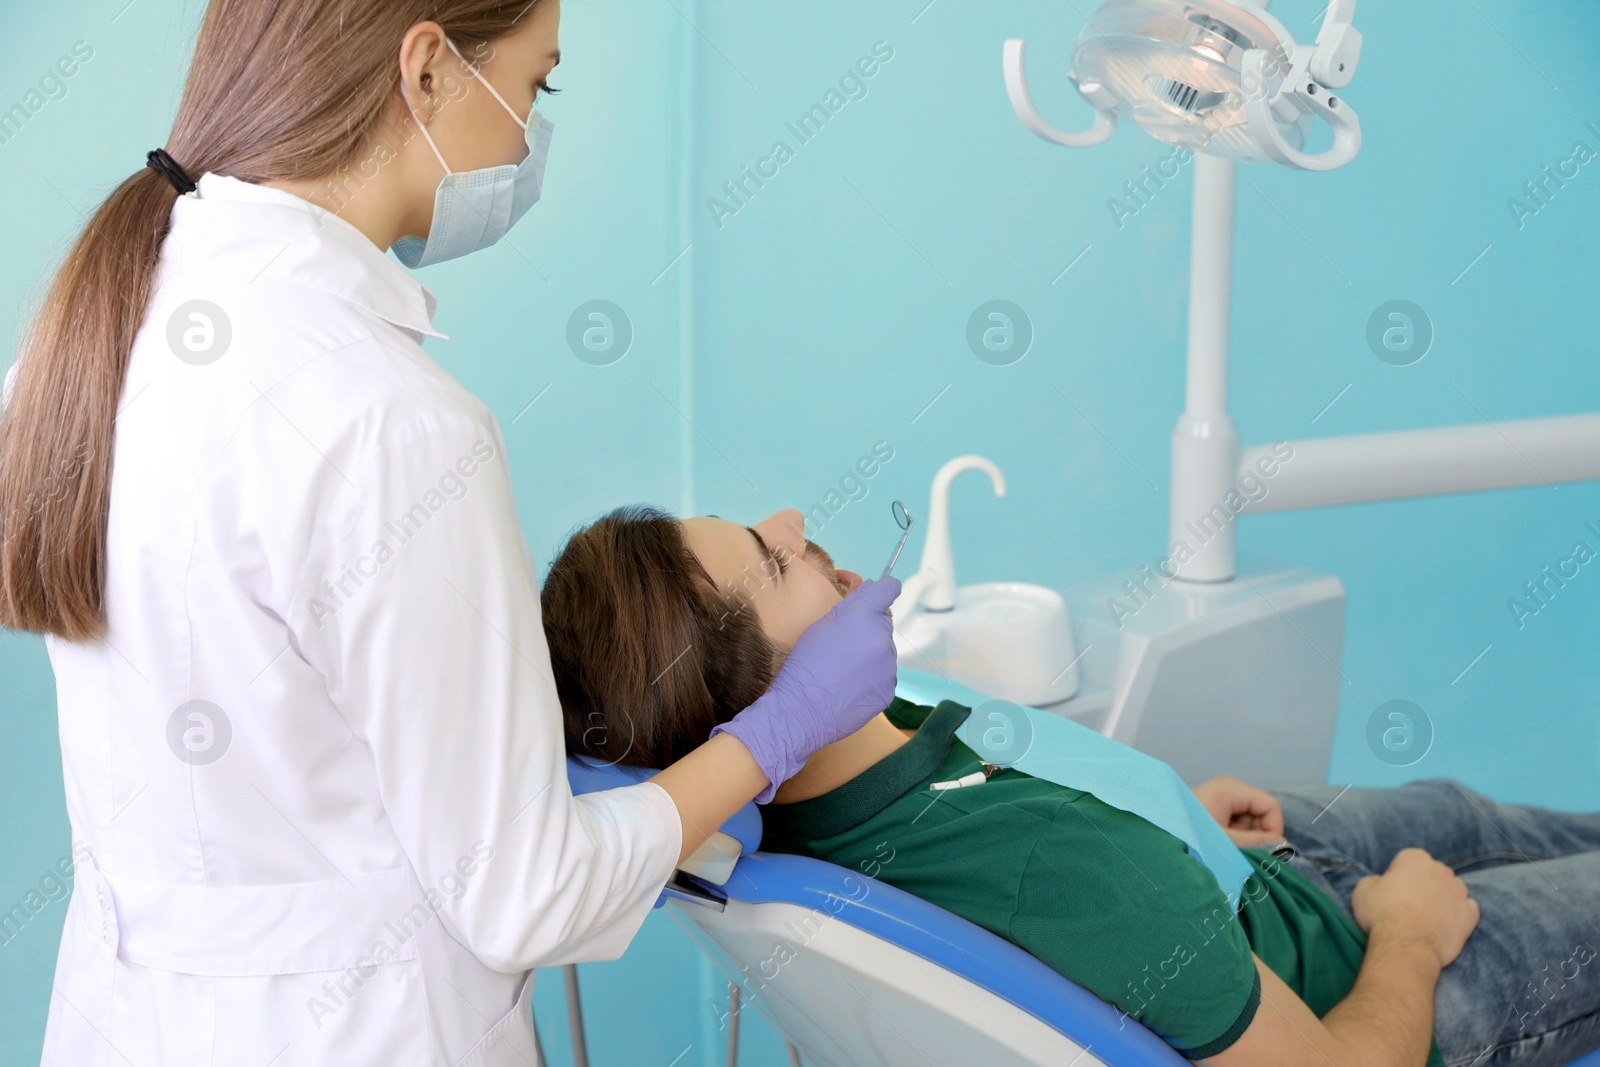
(607, 228)
(824, 316)
(845, 284)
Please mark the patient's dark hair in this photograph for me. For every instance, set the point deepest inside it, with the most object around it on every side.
(649, 654)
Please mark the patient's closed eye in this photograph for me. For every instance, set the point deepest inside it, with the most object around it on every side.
(779, 566)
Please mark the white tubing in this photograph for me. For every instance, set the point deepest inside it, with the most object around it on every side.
(1410, 463)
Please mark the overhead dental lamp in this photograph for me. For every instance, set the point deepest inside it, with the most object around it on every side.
(1227, 82)
(1212, 667)
(1214, 77)
(1187, 658)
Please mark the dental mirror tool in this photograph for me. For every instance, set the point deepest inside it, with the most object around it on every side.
(902, 518)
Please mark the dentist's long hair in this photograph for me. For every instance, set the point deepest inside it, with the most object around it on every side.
(277, 89)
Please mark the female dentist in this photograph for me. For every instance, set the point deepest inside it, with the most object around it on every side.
(312, 749)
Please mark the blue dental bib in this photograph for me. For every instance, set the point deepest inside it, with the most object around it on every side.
(1065, 752)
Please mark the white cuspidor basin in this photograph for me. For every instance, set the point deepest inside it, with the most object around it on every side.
(1012, 640)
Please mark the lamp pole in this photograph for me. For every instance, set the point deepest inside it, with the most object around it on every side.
(1205, 445)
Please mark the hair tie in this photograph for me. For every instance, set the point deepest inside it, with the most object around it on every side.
(164, 165)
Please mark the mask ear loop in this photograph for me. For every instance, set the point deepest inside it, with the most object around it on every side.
(474, 70)
(423, 126)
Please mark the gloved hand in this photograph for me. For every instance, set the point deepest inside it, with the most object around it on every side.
(840, 674)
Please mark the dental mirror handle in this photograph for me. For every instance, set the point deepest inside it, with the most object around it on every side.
(902, 518)
(895, 557)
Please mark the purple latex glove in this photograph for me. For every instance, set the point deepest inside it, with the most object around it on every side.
(840, 674)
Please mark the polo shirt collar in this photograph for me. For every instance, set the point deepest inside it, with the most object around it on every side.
(874, 789)
(308, 246)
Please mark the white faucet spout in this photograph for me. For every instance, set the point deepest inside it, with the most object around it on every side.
(938, 569)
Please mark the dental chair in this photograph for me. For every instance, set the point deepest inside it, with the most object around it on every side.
(856, 973)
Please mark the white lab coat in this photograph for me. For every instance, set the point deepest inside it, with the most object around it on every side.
(315, 533)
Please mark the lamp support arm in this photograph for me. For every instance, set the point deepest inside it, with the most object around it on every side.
(1205, 444)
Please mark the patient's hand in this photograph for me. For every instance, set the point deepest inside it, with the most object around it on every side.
(1418, 897)
(1250, 816)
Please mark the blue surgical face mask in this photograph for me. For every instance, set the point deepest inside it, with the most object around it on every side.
(472, 209)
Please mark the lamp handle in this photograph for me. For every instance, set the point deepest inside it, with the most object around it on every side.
(1338, 47)
(1105, 122)
(1310, 98)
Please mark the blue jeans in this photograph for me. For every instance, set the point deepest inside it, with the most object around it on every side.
(1526, 988)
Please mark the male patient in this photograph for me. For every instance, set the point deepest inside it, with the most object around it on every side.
(659, 629)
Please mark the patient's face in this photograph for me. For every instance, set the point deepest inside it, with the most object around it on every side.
(790, 581)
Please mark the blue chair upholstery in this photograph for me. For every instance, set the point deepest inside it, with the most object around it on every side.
(917, 926)
(958, 946)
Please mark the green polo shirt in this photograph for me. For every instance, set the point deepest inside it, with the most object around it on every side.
(1109, 900)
